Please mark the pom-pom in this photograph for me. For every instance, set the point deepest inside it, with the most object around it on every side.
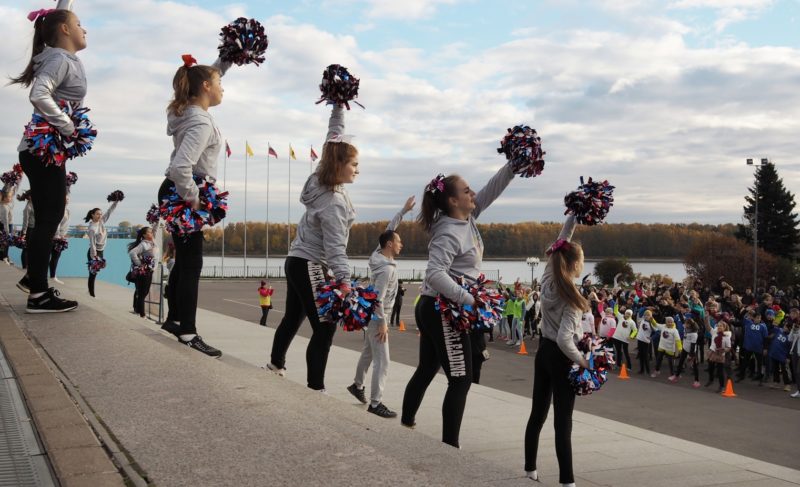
(352, 309)
(12, 177)
(600, 356)
(146, 267)
(96, 265)
(19, 241)
(47, 142)
(338, 86)
(153, 215)
(523, 149)
(243, 41)
(60, 244)
(115, 196)
(71, 179)
(465, 317)
(182, 220)
(590, 202)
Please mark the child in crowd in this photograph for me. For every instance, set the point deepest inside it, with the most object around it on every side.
(644, 330)
(720, 353)
(689, 352)
(669, 345)
(622, 334)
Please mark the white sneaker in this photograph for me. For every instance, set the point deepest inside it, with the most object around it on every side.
(533, 475)
(796, 394)
(275, 369)
(56, 279)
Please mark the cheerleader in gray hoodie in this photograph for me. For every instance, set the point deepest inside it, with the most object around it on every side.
(53, 74)
(320, 247)
(197, 142)
(449, 210)
(144, 246)
(98, 235)
(383, 270)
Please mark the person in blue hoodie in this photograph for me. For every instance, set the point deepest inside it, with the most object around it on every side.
(778, 355)
(755, 333)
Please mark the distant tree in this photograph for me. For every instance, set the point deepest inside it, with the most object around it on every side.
(778, 231)
(124, 224)
(718, 255)
(607, 269)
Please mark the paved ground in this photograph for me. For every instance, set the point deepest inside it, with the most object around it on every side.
(761, 423)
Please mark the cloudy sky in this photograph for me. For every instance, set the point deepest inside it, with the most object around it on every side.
(665, 99)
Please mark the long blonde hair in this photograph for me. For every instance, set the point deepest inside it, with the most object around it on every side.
(563, 261)
(187, 83)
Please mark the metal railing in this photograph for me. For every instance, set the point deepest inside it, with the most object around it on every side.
(408, 275)
(154, 304)
(241, 272)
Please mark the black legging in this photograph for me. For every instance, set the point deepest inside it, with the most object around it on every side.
(644, 356)
(92, 276)
(716, 369)
(551, 368)
(54, 256)
(395, 318)
(692, 356)
(478, 338)
(670, 360)
(23, 256)
(48, 194)
(621, 348)
(142, 290)
(264, 314)
(4, 248)
(302, 279)
(184, 278)
(744, 362)
(440, 346)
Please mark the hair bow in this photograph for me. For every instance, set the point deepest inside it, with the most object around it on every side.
(558, 245)
(188, 60)
(336, 138)
(436, 184)
(39, 13)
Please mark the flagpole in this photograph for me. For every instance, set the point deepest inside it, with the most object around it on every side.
(266, 257)
(224, 184)
(289, 206)
(245, 207)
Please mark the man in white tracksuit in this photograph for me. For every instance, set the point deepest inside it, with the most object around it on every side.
(383, 270)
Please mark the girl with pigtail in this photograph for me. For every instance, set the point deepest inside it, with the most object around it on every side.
(562, 308)
(319, 248)
(197, 142)
(144, 254)
(98, 235)
(449, 210)
(54, 74)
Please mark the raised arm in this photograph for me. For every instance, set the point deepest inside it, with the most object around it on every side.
(336, 122)
(222, 66)
(566, 234)
(109, 211)
(395, 222)
(64, 4)
(492, 190)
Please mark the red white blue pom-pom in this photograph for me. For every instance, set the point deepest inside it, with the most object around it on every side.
(352, 310)
(181, 219)
(146, 267)
(338, 87)
(96, 265)
(243, 41)
(19, 241)
(591, 202)
(465, 317)
(600, 356)
(12, 177)
(60, 244)
(47, 142)
(71, 178)
(523, 150)
(153, 215)
(115, 196)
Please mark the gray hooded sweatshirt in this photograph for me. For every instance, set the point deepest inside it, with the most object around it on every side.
(324, 228)
(561, 322)
(456, 247)
(384, 276)
(197, 142)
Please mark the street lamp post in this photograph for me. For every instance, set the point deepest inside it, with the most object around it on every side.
(533, 262)
(750, 162)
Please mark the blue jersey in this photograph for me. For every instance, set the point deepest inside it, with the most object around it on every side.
(754, 335)
(779, 348)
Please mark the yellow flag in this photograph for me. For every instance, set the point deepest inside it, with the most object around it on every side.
(291, 152)
(248, 149)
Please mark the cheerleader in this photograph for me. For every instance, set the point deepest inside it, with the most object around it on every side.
(320, 246)
(28, 224)
(98, 235)
(197, 142)
(562, 307)
(54, 74)
(144, 254)
(449, 210)
(6, 219)
(61, 233)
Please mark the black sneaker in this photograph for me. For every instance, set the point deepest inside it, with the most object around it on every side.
(382, 411)
(50, 302)
(171, 327)
(24, 284)
(198, 344)
(357, 393)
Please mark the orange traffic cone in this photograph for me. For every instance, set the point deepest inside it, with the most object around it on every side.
(623, 373)
(402, 326)
(522, 349)
(729, 390)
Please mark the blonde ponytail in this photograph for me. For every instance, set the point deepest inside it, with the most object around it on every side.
(563, 262)
(187, 83)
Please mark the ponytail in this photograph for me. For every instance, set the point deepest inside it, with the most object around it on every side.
(187, 83)
(435, 201)
(45, 34)
(139, 238)
(88, 216)
(563, 261)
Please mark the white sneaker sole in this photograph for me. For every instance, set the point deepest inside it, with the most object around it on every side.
(43, 311)
(23, 289)
(275, 370)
